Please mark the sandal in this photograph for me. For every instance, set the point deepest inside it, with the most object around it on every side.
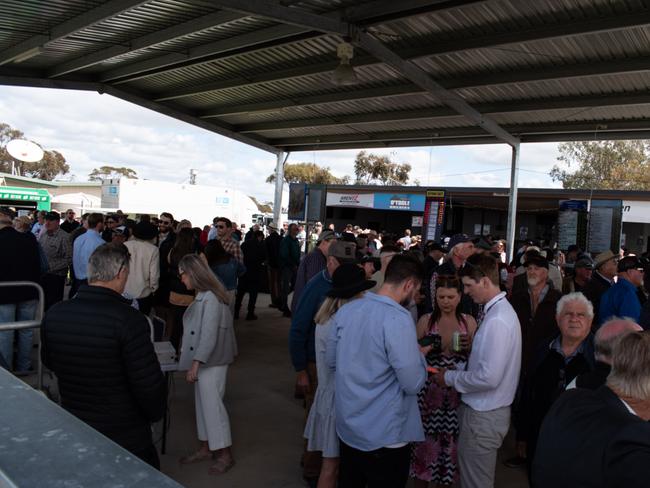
(197, 457)
(221, 466)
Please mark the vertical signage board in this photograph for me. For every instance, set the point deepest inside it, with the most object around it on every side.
(434, 215)
(297, 201)
(605, 224)
(572, 224)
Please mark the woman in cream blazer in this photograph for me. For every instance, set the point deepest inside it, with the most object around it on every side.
(208, 347)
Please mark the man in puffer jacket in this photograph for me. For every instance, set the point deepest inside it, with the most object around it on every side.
(100, 349)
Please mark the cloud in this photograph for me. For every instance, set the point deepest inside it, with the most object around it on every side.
(93, 130)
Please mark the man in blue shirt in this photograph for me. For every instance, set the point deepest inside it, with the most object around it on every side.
(379, 370)
(621, 300)
(302, 336)
(85, 245)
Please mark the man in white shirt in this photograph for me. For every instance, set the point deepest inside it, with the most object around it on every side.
(489, 383)
(144, 266)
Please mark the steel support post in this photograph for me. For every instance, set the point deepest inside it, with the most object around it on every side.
(512, 203)
(279, 182)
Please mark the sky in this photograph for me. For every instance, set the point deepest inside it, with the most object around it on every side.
(93, 130)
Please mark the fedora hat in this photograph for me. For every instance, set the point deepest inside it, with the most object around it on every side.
(603, 257)
(348, 280)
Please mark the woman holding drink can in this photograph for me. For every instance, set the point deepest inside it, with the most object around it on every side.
(450, 332)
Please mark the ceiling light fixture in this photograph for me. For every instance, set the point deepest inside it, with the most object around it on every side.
(344, 73)
(35, 51)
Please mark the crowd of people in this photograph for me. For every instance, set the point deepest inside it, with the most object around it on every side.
(413, 359)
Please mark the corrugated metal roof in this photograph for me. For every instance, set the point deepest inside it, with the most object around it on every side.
(490, 53)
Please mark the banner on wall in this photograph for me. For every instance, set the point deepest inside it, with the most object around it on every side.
(360, 200)
(635, 211)
(434, 215)
(399, 201)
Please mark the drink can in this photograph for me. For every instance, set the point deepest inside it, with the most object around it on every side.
(455, 342)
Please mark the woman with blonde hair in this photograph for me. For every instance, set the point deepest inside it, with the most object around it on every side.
(208, 347)
(348, 283)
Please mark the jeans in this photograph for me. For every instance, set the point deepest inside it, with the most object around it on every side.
(16, 312)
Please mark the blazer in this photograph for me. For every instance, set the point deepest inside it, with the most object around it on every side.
(208, 335)
(590, 438)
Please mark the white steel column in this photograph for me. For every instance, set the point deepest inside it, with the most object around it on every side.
(512, 203)
(279, 182)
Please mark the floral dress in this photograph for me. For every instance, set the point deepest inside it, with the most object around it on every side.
(436, 459)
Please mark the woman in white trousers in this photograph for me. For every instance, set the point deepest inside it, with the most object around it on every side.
(208, 347)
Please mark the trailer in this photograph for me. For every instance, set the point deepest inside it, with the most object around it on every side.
(197, 203)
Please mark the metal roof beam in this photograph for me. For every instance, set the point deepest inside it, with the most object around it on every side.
(376, 48)
(523, 130)
(140, 69)
(146, 41)
(554, 72)
(106, 10)
(426, 49)
(389, 10)
(379, 10)
(509, 106)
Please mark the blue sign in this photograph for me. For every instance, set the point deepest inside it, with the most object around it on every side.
(399, 201)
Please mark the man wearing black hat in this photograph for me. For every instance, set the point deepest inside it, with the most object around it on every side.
(58, 251)
(621, 300)
(302, 338)
(583, 270)
(144, 268)
(20, 262)
(601, 281)
(312, 264)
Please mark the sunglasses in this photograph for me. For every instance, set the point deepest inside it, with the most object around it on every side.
(162, 222)
(221, 226)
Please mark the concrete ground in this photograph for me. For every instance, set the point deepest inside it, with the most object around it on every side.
(266, 420)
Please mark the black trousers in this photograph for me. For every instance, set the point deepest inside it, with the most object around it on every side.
(245, 286)
(382, 468)
(145, 304)
(149, 456)
(53, 286)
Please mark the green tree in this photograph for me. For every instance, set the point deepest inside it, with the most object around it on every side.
(109, 172)
(309, 173)
(372, 169)
(615, 165)
(52, 165)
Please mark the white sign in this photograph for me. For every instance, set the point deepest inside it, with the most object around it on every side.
(567, 228)
(416, 221)
(634, 211)
(365, 200)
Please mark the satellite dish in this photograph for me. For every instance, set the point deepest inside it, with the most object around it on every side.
(24, 150)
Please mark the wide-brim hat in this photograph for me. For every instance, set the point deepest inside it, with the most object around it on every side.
(145, 231)
(603, 257)
(536, 259)
(349, 280)
(272, 226)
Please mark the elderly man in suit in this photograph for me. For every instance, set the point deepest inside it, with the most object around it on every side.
(601, 438)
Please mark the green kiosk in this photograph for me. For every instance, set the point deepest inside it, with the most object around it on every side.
(25, 199)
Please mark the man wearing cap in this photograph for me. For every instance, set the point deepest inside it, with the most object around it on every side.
(144, 268)
(312, 264)
(583, 270)
(58, 251)
(21, 262)
(460, 248)
(69, 224)
(535, 307)
(85, 245)
(302, 335)
(621, 299)
(601, 280)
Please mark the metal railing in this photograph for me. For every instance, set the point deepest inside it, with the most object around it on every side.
(28, 324)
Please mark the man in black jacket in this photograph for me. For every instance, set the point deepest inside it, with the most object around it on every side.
(602, 279)
(601, 438)
(100, 349)
(21, 262)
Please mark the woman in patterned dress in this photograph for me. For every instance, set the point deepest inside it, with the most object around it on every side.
(435, 460)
